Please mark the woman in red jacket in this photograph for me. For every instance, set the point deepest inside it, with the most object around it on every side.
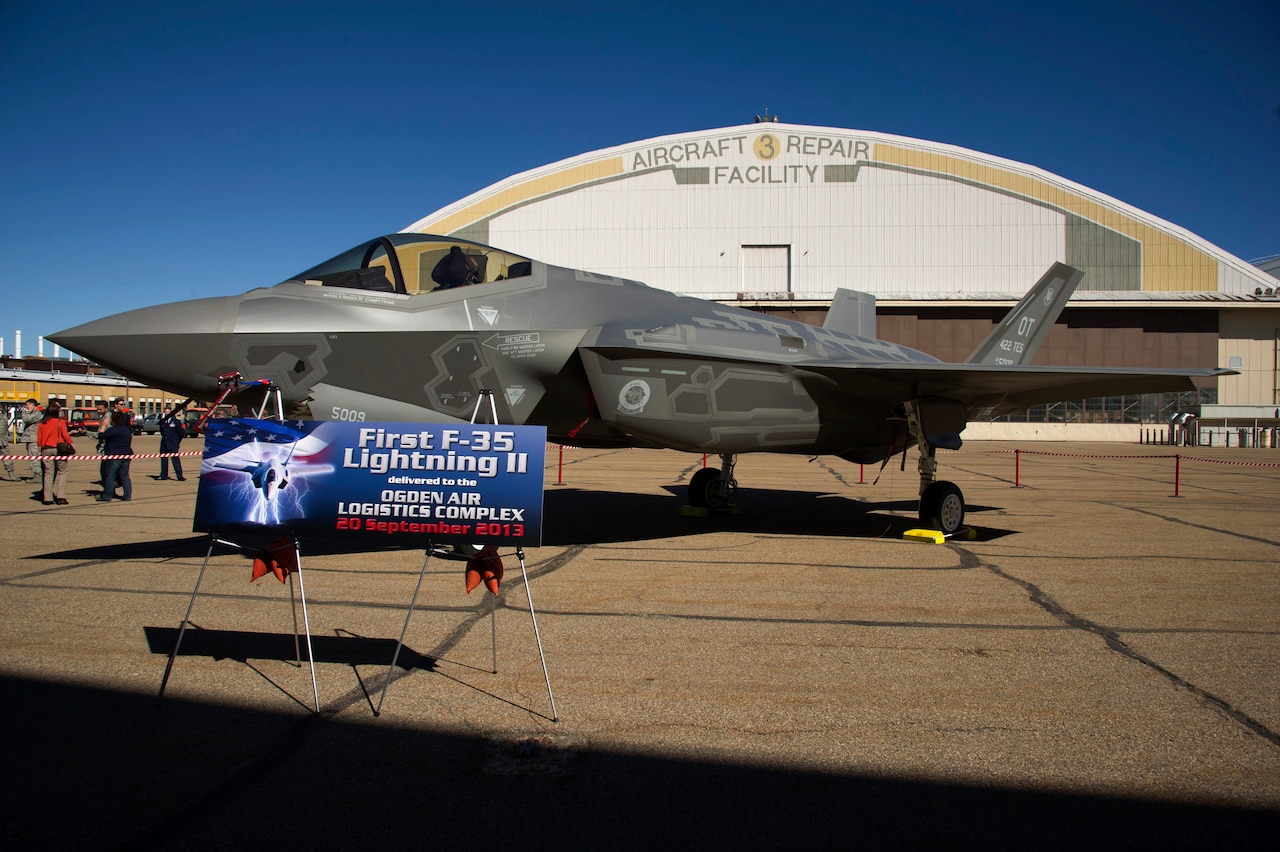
(52, 431)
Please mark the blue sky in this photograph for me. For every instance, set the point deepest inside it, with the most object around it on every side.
(155, 151)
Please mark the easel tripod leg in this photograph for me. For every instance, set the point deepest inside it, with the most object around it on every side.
(403, 631)
(186, 619)
(306, 624)
(293, 606)
(536, 635)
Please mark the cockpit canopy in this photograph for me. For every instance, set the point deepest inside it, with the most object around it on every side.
(416, 263)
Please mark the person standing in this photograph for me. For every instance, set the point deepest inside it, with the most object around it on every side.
(104, 423)
(171, 434)
(31, 417)
(50, 432)
(4, 445)
(117, 441)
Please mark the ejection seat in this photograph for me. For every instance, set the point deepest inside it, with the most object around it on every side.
(457, 269)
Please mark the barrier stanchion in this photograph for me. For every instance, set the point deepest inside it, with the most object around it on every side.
(862, 474)
(560, 468)
(1177, 458)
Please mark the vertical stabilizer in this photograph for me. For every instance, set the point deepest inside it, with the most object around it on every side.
(853, 313)
(1019, 335)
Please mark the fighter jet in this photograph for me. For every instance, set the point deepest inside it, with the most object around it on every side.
(413, 327)
(269, 476)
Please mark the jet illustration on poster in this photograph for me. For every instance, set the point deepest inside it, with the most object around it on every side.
(257, 470)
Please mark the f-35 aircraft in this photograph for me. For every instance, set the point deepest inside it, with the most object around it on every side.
(413, 327)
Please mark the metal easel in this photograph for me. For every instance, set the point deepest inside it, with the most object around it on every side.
(271, 394)
(293, 601)
(493, 603)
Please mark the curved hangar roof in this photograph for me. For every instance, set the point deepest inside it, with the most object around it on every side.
(790, 211)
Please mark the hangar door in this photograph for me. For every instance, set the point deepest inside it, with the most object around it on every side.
(766, 269)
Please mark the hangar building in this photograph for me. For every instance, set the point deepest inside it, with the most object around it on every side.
(776, 216)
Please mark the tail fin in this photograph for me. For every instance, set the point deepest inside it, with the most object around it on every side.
(1015, 340)
(853, 313)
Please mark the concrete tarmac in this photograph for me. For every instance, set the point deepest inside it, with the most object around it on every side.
(1098, 667)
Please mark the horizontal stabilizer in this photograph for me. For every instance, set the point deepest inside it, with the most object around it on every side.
(852, 313)
(1019, 335)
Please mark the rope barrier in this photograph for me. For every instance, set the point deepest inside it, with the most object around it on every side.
(1236, 463)
(105, 458)
(1173, 456)
(1178, 459)
(1068, 455)
(1017, 454)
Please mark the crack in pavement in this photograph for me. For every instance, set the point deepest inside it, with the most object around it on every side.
(1196, 526)
(1046, 602)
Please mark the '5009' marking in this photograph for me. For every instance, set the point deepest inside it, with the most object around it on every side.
(347, 414)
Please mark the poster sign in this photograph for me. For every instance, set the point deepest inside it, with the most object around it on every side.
(402, 483)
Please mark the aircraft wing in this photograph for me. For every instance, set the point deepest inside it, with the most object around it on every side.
(990, 391)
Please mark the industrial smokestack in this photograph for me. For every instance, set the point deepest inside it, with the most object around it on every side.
(17, 343)
(40, 346)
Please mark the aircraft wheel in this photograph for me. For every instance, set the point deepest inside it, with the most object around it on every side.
(702, 485)
(705, 491)
(942, 507)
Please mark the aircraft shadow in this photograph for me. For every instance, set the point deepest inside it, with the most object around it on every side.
(572, 516)
(193, 775)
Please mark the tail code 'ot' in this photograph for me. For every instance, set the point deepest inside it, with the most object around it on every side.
(1017, 338)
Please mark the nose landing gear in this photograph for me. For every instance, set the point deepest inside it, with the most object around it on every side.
(713, 489)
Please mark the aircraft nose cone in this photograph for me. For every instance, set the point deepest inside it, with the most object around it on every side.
(182, 347)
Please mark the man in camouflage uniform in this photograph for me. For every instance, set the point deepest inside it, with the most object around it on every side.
(4, 445)
(32, 414)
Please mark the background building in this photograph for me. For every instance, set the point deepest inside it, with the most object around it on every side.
(73, 384)
(777, 216)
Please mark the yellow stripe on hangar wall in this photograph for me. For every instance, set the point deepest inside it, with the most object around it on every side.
(1169, 264)
(525, 191)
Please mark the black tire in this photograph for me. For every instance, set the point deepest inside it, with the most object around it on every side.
(942, 507)
(704, 486)
(706, 490)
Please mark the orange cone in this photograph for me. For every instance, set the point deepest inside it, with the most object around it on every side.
(279, 557)
(485, 567)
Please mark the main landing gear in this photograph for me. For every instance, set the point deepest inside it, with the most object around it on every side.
(712, 488)
(941, 503)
